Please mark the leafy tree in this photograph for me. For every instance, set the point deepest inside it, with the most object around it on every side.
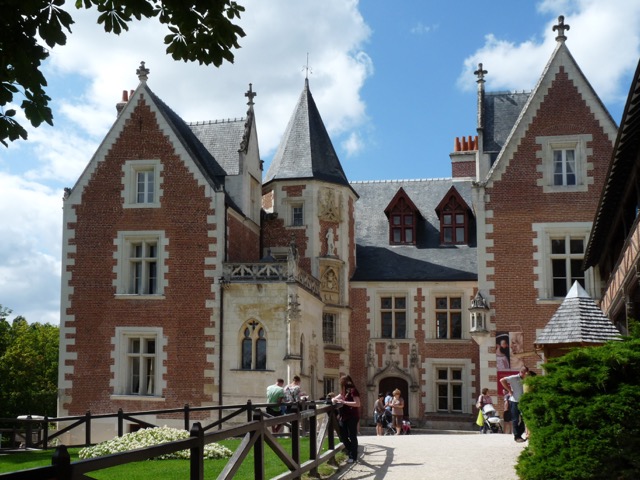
(28, 367)
(199, 30)
(583, 415)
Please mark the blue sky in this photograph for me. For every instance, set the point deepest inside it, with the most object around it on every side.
(393, 81)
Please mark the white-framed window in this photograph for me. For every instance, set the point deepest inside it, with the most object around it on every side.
(297, 215)
(141, 267)
(564, 163)
(253, 346)
(142, 183)
(330, 328)
(393, 316)
(449, 389)
(448, 316)
(558, 256)
(567, 255)
(138, 360)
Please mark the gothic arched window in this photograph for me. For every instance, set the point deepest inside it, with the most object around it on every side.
(253, 346)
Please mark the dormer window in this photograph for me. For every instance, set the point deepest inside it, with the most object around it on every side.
(403, 216)
(454, 219)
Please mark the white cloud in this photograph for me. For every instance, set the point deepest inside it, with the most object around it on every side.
(353, 144)
(603, 38)
(30, 249)
(86, 79)
(422, 29)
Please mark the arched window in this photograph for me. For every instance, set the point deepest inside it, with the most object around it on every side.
(253, 346)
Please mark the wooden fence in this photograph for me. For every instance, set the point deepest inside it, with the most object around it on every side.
(255, 433)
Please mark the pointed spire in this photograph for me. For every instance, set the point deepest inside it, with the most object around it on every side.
(561, 27)
(142, 72)
(305, 150)
(480, 73)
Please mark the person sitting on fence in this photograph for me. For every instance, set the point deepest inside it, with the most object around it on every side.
(275, 395)
(293, 393)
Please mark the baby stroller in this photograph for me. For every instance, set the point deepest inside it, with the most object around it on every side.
(387, 424)
(491, 420)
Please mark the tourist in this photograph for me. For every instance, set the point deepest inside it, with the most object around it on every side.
(483, 399)
(293, 392)
(397, 410)
(514, 386)
(275, 395)
(378, 414)
(349, 416)
(506, 414)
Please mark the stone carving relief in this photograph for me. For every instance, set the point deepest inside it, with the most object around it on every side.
(328, 206)
(330, 286)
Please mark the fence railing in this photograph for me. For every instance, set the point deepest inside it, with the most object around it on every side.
(255, 434)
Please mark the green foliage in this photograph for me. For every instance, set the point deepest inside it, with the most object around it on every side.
(200, 30)
(583, 415)
(28, 368)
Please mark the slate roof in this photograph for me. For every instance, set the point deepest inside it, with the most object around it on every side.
(377, 260)
(201, 155)
(578, 320)
(305, 150)
(500, 113)
(222, 138)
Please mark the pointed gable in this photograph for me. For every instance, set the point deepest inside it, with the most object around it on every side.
(403, 216)
(305, 150)
(455, 218)
(578, 320)
(561, 81)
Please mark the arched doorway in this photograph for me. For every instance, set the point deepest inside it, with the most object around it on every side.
(389, 384)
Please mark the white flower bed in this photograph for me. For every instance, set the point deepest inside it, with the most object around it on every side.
(152, 436)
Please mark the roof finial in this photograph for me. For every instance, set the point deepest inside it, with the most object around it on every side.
(307, 68)
(250, 95)
(480, 73)
(142, 72)
(561, 27)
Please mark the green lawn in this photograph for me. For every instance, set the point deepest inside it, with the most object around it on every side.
(154, 469)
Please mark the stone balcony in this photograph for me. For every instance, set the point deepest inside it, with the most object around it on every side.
(264, 272)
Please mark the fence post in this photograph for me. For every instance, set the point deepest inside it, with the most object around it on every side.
(249, 411)
(258, 448)
(197, 453)
(186, 417)
(295, 434)
(45, 438)
(62, 461)
(87, 428)
(313, 438)
(120, 422)
(28, 429)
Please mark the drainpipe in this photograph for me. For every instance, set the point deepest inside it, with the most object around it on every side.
(221, 317)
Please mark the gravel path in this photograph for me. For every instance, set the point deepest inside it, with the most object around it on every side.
(434, 456)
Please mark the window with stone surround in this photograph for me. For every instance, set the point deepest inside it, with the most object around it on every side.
(141, 267)
(448, 314)
(330, 328)
(393, 316)
(297, 215)
(558, 256)
(449, 389)
(138, 361)
(253, 346)
(564, 165)
(142, 183)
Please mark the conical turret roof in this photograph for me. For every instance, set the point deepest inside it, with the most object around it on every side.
(306, 151)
